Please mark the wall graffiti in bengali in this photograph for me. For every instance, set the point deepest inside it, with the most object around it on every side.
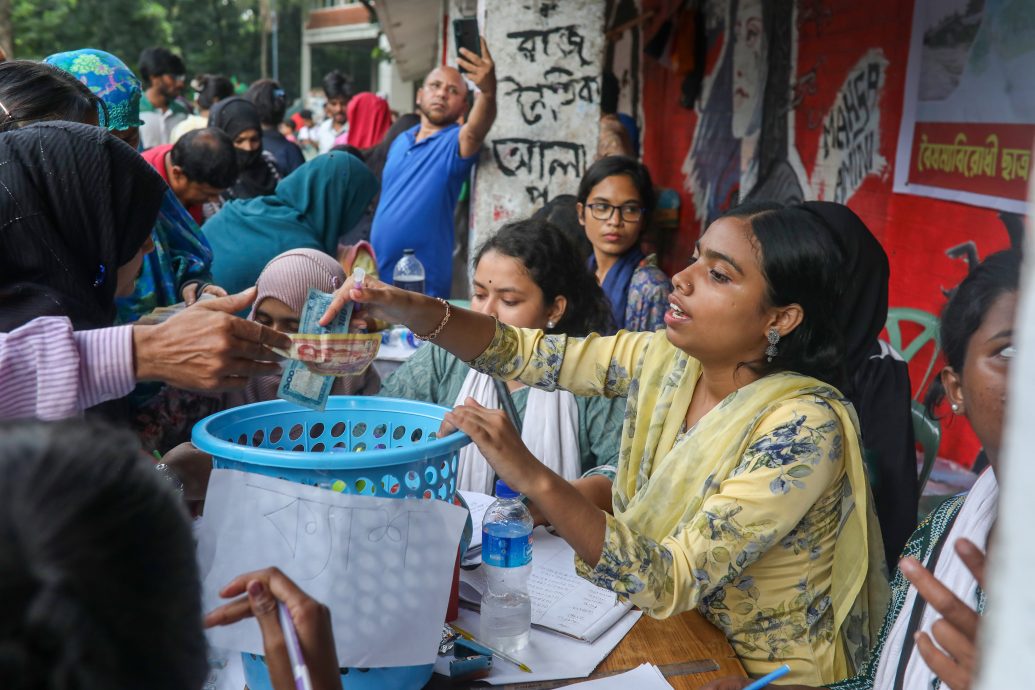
(549, 101)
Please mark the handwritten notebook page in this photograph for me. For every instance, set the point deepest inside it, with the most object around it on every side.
(382, 566)
(561, 600)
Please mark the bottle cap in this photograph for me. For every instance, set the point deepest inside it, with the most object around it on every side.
(504, 491)
(408, 251)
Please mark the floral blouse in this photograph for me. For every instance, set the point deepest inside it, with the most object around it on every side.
(648, 297)
(758, 515)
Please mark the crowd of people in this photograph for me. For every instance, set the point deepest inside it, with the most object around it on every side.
(735, 439)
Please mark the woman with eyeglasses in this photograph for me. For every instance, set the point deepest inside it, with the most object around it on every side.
(615, 200)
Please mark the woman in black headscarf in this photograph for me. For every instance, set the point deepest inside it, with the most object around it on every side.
(878, 377)
(257, 169)
(76, 211)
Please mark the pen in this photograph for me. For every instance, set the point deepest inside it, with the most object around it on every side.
(294, 649)
(769, 678)
(506, 657)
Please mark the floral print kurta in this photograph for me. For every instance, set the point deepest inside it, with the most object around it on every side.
(759, 516)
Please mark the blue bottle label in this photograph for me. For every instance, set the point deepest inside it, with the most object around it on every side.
(506, 552)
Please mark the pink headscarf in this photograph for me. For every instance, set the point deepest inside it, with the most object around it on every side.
(369, 120)
(288, 277)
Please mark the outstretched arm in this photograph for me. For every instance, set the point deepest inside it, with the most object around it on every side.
(482, 71)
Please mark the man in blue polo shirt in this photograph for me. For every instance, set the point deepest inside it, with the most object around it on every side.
(427, 166)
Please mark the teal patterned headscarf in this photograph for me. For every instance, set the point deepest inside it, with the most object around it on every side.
(109, 78)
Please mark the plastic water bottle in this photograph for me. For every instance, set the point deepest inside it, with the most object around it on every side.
(409, 272)
(506, 612)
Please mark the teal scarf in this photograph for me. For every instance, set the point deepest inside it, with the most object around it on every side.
(311, 208)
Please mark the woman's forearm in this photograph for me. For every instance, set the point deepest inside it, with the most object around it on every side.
(571, 512)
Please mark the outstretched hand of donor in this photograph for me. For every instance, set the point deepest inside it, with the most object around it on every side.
(206, 347)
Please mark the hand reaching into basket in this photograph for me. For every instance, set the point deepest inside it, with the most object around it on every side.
(464, 333)
(262, 592)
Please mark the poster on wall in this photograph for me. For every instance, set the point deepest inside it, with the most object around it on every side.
(968, 119)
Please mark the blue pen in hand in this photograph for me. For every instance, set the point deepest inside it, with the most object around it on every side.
(298, 668)
(769, 678)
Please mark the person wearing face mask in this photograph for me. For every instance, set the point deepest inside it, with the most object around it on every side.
(256, 169)
(941, 572)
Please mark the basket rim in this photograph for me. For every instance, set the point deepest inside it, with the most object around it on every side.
(205, 440)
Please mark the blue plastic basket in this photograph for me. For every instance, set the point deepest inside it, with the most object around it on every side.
(357, 445)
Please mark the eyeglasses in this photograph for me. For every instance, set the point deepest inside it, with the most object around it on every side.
(628, 213)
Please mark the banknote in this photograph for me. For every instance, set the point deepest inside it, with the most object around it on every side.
(298, 384)
(334, 354)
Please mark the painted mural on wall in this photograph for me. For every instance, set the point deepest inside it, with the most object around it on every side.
(549, 59)
(743, 144)
(803, 99)
(969, 118)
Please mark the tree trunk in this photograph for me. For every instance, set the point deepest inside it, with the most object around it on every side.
(265, 22)
(6, 31)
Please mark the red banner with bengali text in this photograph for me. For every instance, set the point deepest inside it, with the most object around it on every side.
(980, 158)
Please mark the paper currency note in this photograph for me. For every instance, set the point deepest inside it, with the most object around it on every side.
(334, 354)
(298, 384)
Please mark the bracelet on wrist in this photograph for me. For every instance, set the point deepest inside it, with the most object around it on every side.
(435, 333)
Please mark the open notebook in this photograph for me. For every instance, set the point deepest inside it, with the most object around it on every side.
(562, 601)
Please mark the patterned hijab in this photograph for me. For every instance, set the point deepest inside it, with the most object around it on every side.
(109, 78)
(75, 204)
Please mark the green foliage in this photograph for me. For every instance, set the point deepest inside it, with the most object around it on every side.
(212, 36)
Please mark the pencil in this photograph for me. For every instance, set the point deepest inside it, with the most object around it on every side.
(769, 678)
(506, 657)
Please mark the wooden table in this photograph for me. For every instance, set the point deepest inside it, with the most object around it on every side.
(688, 649)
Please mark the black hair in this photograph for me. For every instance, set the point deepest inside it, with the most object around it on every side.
(350, 149)
(155, 62)
(337, 85)
(206, 155)
(97, 549)
(269, 99)
(554, 266)
(609, 166)
(305, 114)
(211, 88)
(35, 91)
(290, 123)
(609, 91)
(965, 311)
(561, 212)
(800, 262)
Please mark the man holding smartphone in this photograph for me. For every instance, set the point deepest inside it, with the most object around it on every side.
(427, 166)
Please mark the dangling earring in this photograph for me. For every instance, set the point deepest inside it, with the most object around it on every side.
(774, 337)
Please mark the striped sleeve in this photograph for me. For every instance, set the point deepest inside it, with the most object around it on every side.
(48, 371)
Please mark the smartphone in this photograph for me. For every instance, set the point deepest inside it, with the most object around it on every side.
(465, 33)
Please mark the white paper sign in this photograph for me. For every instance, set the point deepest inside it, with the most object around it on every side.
(383, 566)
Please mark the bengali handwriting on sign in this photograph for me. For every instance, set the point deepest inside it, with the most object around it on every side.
(560, 87)
(985, 159)
(540, 161)
(558, 42)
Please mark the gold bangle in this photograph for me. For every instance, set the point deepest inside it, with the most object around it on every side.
(445, 319)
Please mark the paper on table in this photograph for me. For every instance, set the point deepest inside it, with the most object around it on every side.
(549, 655)
(561, 600)
(643, 677)
(478, 503)
(383, 566)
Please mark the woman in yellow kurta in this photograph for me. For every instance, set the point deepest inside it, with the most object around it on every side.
(740, 487)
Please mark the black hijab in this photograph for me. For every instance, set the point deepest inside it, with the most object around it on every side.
(75, 204)
(879, 385)
(863, 305)
(256, 176)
